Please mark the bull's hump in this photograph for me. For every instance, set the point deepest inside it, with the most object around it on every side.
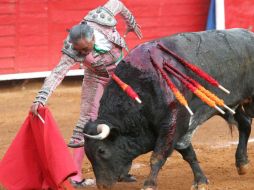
(139, 57)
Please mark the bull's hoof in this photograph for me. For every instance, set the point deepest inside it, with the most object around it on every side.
(150, 188)
(243, 169)
(203, 186)
(127, 178)
(150, 185)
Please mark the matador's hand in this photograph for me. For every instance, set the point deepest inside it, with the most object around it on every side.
(35, 107)
(136, 29)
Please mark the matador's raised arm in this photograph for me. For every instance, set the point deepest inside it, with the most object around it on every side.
(105, 16)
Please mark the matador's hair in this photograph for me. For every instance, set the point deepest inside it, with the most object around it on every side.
(79, 31)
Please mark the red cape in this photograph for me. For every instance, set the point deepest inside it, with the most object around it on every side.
(38, 157)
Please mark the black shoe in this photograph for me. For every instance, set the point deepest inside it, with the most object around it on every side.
(74, 143)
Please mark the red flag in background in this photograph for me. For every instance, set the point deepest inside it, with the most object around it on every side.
(38, 157)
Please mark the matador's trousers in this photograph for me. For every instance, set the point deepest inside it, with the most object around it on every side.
(92, 90)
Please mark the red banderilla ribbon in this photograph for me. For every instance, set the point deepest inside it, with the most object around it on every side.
(195, 69)
(126, 88)
(208, 93)
(174, 89)
(195, 90)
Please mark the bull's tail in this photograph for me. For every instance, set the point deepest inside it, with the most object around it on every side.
(229, 118)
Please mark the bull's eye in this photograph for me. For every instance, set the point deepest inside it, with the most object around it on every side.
(101, 151)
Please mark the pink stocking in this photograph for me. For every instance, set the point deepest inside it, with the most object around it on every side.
(78, 155)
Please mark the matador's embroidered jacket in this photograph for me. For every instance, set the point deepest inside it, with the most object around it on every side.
(107, 51)
(98, 65)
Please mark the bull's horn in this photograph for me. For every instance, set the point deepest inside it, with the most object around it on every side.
(103, 131)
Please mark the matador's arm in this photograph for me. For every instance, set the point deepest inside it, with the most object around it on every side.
(104, 15)
(116, 6)
(54, 79)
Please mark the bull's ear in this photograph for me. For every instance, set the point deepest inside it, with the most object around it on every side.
(114, 133)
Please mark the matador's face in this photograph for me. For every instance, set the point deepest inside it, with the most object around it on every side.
(83, 46)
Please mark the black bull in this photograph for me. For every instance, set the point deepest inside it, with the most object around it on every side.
(160, 124)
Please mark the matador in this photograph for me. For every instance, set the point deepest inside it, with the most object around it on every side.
(97, 46)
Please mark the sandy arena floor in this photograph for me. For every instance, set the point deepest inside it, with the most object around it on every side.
(214, 145)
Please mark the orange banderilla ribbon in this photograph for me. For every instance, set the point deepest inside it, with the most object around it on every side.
(174, 89)
(126, 88)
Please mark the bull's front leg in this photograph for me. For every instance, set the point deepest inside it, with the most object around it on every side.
(163, 148)
(157, 160)
(200, 180)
